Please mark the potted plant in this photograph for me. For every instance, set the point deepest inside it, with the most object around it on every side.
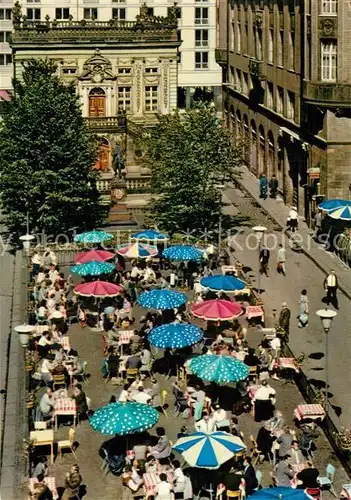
(343, 439)
(30, 400)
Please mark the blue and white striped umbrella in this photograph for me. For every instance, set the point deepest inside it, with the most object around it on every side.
(93, 268)
(175, 335)
(329, 205)
(341, 213)
(182, 252)
(161, 299)
(151, 235)
(223, 283)
(208, 451)
(93, 237)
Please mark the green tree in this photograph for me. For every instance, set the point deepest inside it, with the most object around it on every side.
(190, 155)
(46, 155)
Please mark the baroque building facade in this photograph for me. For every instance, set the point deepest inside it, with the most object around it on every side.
(287, 92)
(125, 73)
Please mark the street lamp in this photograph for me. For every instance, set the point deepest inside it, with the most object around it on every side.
(23, 333)
(26, 241)
(259, 231)
(326, 317)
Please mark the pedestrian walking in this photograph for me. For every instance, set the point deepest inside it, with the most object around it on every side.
(292, 222)
(263, 186)
(273, 187)
(281, 260)
(303, 313)
(331, 286)
(264, 260)
(284, 319)
(317, 224)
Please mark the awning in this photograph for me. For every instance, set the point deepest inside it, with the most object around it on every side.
(293, 135)
(5, 95)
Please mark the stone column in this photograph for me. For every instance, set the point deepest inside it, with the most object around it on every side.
(138, 100)
(109, 101)
(85, 99)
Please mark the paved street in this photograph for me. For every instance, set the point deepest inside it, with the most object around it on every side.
(302, 273)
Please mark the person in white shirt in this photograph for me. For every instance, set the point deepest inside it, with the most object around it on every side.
(51, 304)
(219, 416)
(46, 403)
(135, 271)
(125, 394)
(179, 478)
(206, 424)
(141, 396)
(45, 371)
(163, 489)
(40, 276)
(149, 274)
(281, 258)
(264, 402)
(173, 278)
(331, 286)
(199, 395)
(275, 345)
(42, 311)
(292, 219)
(45, 339)
(145, 358)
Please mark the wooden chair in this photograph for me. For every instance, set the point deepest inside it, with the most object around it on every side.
(255, 452)
(131, 373)
(58, 380)
(105, 345)
(233, 494)
(68, 443)
(164, 394)
(253, 373)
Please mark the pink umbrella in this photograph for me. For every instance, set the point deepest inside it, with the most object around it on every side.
(217, 310)
(96, 255)
(98, 289)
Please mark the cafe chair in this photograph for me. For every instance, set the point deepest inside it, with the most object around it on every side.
(327, 480)
(83, 373)
(253, 373)
(255, 452)
(259, 477)
(40, 426)
(58, 380)
(313, 492)
(132, 373)
(233, 494)
(68, 443)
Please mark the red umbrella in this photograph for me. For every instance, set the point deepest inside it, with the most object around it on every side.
(217, 310)
(98, 289)
(96, 255)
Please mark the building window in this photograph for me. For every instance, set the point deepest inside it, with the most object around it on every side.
(245, 84)
(150, 11)
(269, 95)
(201, 38)
(118, 1)
(69, 71)
(280, 101)
(201, 60)
(291, 58)
(328, 61)
(124, 98)
(232, 36)
(151, 98)
(258, 44)
(97, 102)
(5, 36)
(201, 15)
(238, 85)
(124, 71)
(246, 40)
(151, 70)
(5, 14)
(328, 7)
(178, 11)
(61, 13)
(280, 48)
(5, 59)
(119, 14)
(91, 13)
(238, 37)
(270, 46)
(33, 15)
(290, 106)
(198, 1)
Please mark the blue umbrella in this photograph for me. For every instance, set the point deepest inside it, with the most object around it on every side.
(124, 418)
(341, 213)
(151, 235)
(280, 493)
(329, 205)
(209, 451)
(162, 299)
(182, 252)
(175, 335)
(92, 268)
(93, 237)
(223, 283)
(219, 369)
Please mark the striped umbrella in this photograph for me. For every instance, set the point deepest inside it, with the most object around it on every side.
(137, 251)
(341, 213)
(208, 451)
(329, 205)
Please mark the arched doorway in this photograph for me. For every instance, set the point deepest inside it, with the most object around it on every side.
(253, 149)
(262, 167)
(232, 122)
(238, 126)
(97, 102)
(104, 155)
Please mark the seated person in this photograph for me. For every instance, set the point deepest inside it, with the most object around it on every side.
(60, 369)
(308, 477)
(219, 416)
(125, 394)
(46, 368)
(162, 449)
(164, 489)
(141, 396)
(179, 478)
(251, 359)
(232, 480)
(132, 482)
(295, 454)
(151, 465)
(112, 362)
(81, 400)
(46, 404)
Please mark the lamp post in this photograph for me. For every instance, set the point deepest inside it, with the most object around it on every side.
(24, 332)
(259, 231)
(326, 316)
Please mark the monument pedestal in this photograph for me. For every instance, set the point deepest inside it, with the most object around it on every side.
(119, 213)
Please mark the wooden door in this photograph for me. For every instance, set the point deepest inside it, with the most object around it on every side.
(97, 105)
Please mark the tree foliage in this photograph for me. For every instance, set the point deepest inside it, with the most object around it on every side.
(46, 155)
(190, 155)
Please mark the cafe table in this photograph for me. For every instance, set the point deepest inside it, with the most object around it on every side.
(43, 438)
(313, 412)
(65, 406)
